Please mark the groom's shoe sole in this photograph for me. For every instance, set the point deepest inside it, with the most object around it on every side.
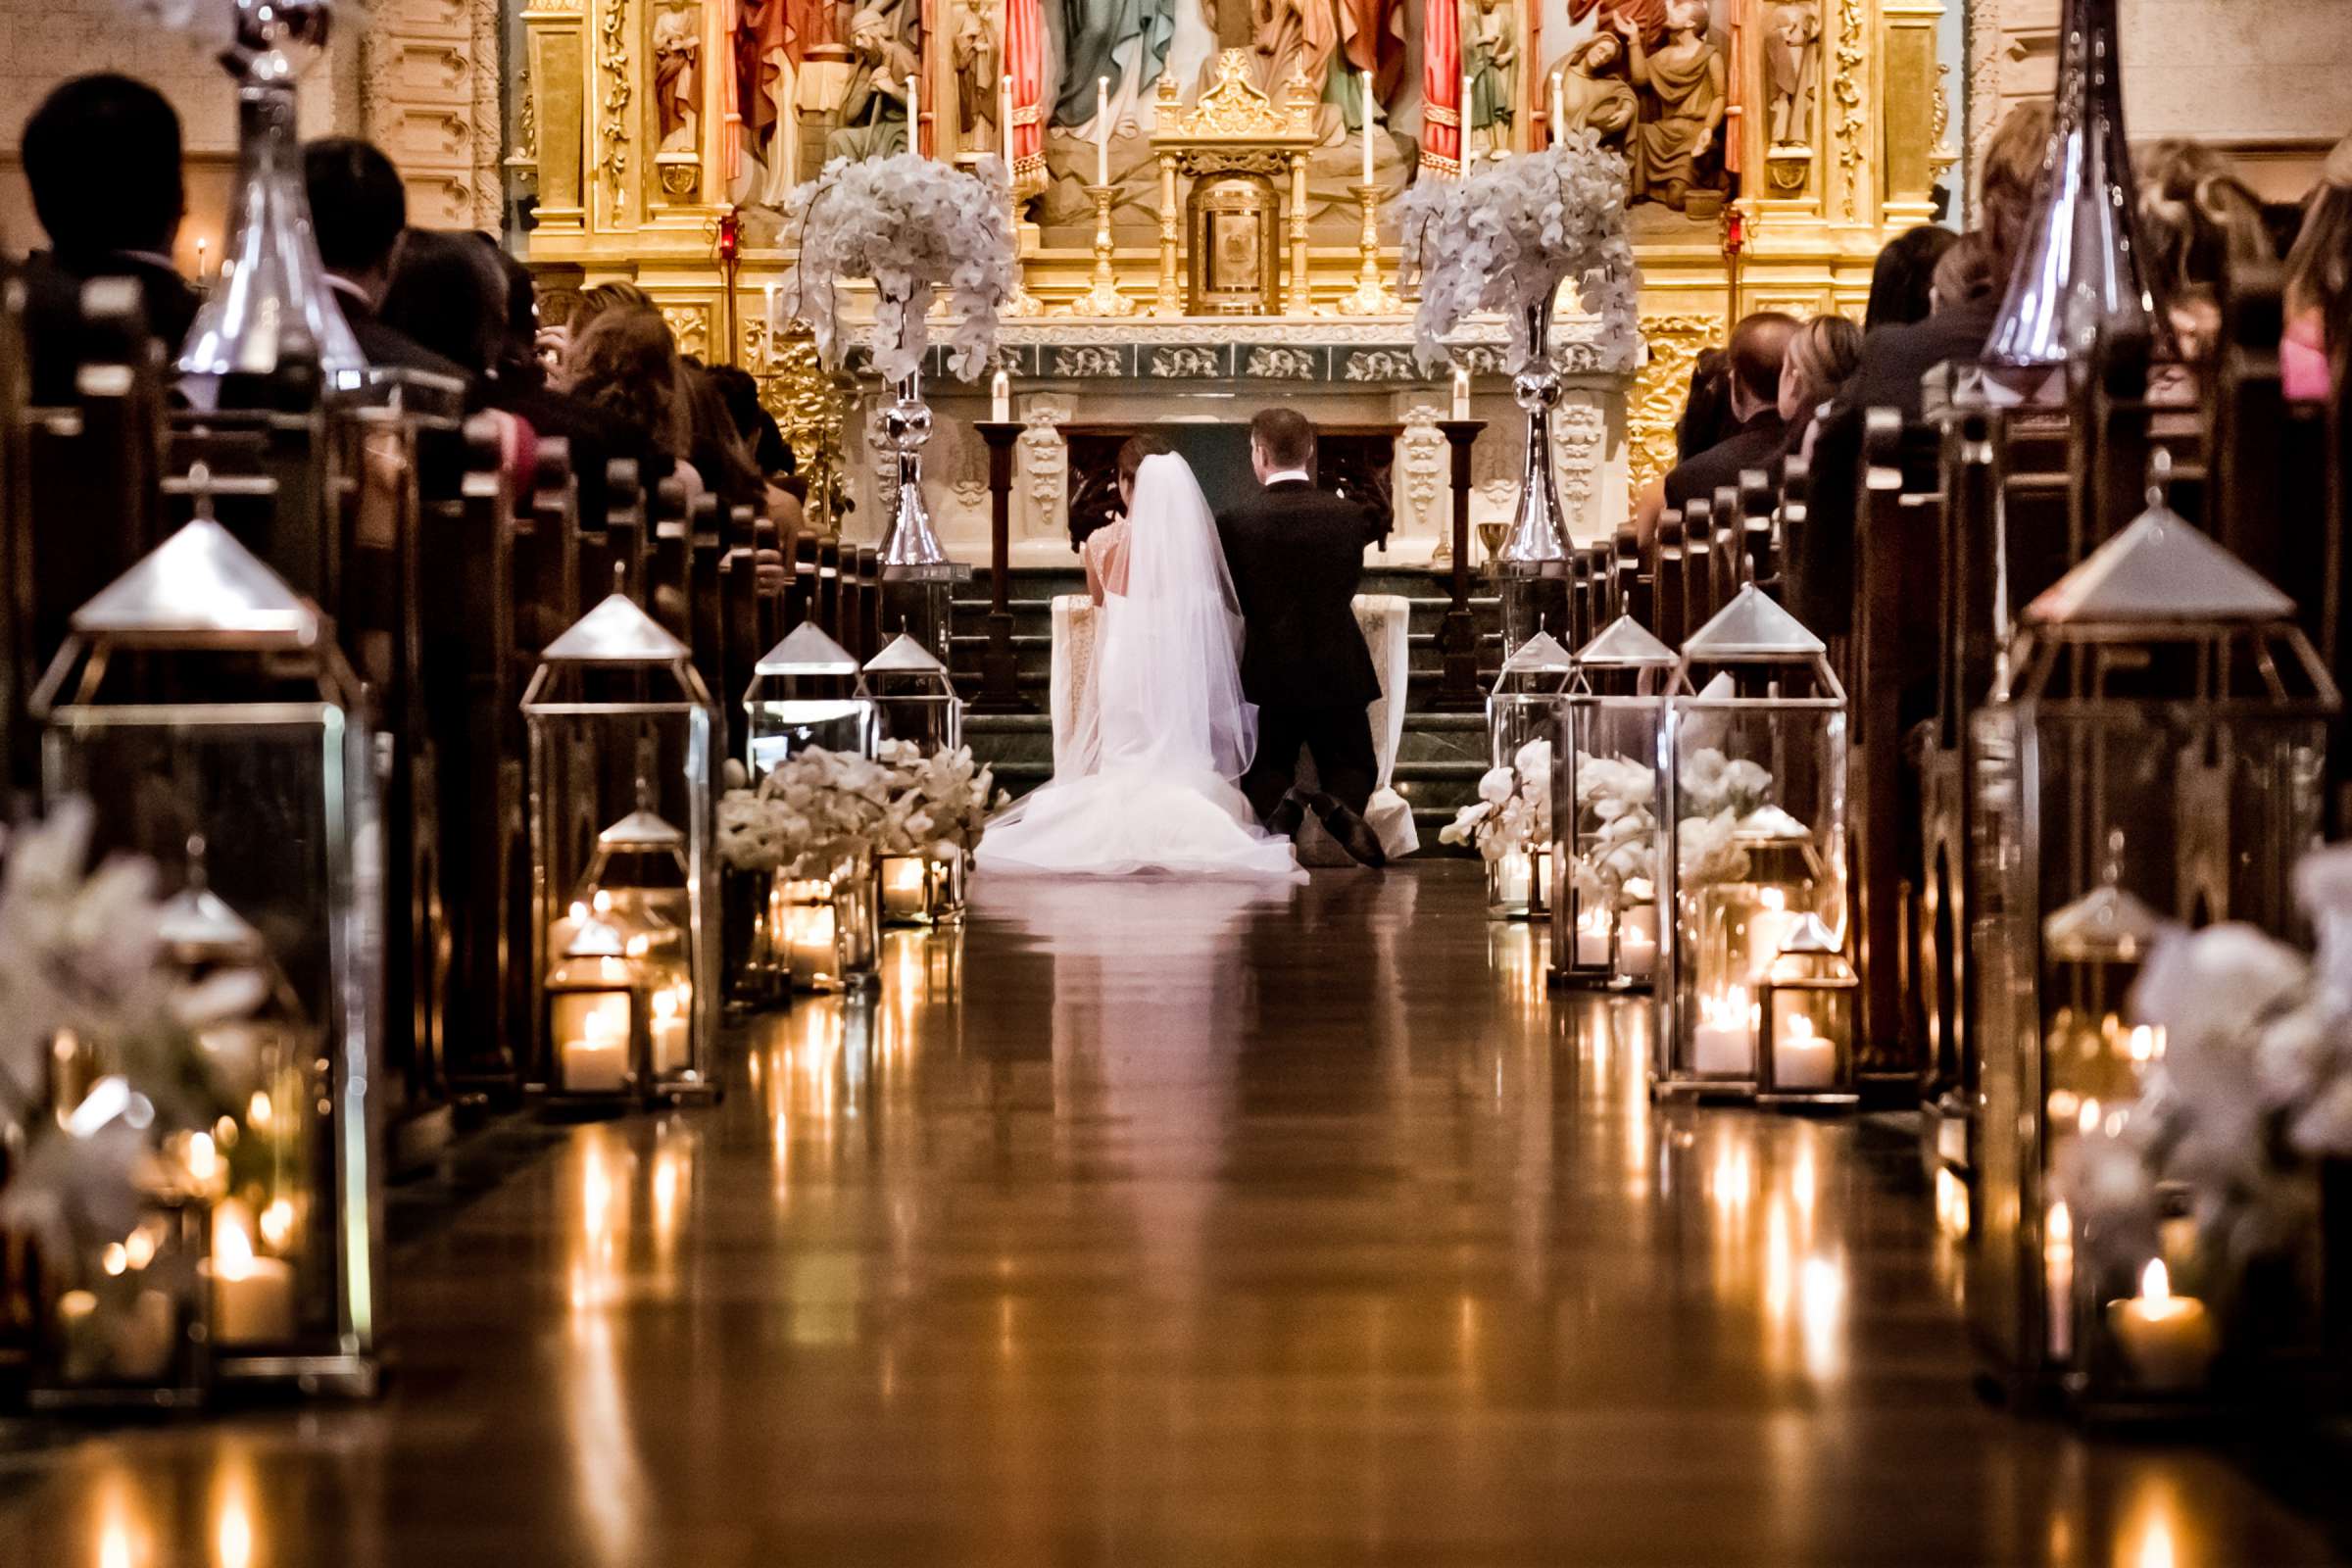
(1355, 835)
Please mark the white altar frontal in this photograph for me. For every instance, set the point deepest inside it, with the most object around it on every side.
(1338, 371)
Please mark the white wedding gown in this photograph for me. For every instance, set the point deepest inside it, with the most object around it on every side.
(1154, 790)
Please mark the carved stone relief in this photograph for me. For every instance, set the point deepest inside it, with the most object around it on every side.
(1675, 341)
(1421, 461)
(690, 324)
(1579, 433)
(1044, 463)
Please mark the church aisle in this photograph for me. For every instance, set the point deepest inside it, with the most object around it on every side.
(1210, 1224)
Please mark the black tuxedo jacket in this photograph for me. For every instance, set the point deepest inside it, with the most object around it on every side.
(53, 312)
(1297, 555)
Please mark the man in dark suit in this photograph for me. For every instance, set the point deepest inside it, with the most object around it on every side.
(1296, 553)
(102, 157)
(1758, 345)
(359, 210)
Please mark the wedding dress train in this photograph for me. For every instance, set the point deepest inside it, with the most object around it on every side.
(1153, 789)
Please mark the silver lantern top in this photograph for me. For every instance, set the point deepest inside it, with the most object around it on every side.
(617, 636)
(1538, 667)
(1625, 644)
(807, 651)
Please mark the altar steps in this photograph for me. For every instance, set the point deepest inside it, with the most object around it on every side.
(1439, 759)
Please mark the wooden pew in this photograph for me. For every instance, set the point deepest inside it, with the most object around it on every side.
(623, 526)
(828, 587)
(1698, 558)
(707, 612)
(1758, 503)
(1633, 597)
(869, 577)
(665, 565)
(1724, 557)
(1666, 582)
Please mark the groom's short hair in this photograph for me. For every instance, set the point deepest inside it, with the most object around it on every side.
(1285, 436)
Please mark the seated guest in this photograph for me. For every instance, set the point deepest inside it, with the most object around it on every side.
(1903, 278)
(716, 452)
(519, 385)
(2197, 225)
(102, 157)
(1897, 359)
(1754, 354)
(448, 295)
(1706, 406)
(1964, 275)
(2318, 283)
(626, 364)
(594, 302)
(753, 423)
(358, 210)
(1821, 356)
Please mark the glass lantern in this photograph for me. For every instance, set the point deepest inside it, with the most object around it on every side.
(640, 883)
(806, 694)
(829, 919)
(917, 705)
(203, 707)
(1753, 799)
(1604, 824)
(1522, 717)
(621, 750)
(1805, 1020)
(2153, 756)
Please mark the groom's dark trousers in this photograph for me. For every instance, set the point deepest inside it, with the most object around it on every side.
(1297, 555)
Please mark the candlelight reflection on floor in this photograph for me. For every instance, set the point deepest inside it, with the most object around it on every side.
(1163, 1222)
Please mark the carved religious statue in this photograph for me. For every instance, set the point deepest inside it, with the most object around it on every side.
(1791, 56)
(677, 92)
(1294, 41)
(1490, 63)
(975, 53)
(874, 107)
(1647, 15)
(1125, 40)
(1595, 94)
(1684, 84)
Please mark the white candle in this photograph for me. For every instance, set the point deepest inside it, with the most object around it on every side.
(667, 1030)
(1367, 80)
(808, 938)
(1004, 115)
(1103, 130)
(1510, 880)
(1801, 1057)
(2058, 1278)
(1467, 153)
(595, 1060)
(253, 1298)
(2168, 1338)
(1000, 395)
(1592, 940)
(1723, 1044)
(902, 887)
(199, 274)
(769, 290)
(1461, 392)
(1637, 942)
(1558, 110)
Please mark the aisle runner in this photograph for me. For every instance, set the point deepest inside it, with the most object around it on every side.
(1382, 618)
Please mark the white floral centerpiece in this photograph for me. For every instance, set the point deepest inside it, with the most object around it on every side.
(1510, 824)
(1722, 800)
(938, 802)
(913, 225)
(1507, 237)
(1616, 795)
(902, 801)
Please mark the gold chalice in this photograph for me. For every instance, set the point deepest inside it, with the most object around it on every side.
(1489, 534)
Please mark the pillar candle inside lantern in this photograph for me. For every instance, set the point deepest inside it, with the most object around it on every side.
(903, 878)
(1723, 1044)
(1801, 1058)
(592, 1030)
(669, 1029)
(253, 1298)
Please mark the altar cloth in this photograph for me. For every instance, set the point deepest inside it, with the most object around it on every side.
(1382, 619)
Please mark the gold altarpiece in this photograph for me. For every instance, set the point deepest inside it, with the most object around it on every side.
(627, 164)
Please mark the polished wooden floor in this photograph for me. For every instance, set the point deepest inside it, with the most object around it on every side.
(1197, 1225)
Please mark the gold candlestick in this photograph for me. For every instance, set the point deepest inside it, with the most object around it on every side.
(1104, 297)
(1371, 295)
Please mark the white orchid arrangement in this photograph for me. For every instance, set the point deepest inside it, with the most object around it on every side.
(913, 225)
(1614, 797)
(2254, 1083)
(83, 954)
(901, 802)
(1507, 237)
(1513, 809)
(1720, 799)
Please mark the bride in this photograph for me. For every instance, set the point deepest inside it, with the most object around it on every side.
(1152, 786)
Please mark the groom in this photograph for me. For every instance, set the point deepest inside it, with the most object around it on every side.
(1296, 553)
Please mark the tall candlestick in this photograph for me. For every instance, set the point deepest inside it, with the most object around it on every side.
(1467, 153)
(1004, 112)
(769, 290)
(1558, 109)
(1103, 130)
(914, 115)
(1367, 80)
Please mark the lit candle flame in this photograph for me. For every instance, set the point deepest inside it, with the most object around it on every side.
(232, 1245)
(2156, 1283)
